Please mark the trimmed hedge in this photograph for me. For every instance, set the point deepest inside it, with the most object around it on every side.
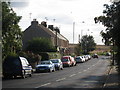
(50, 55)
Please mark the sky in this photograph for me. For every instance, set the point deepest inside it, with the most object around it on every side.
(63, 13)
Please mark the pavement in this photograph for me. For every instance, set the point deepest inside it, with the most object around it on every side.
(113, 79)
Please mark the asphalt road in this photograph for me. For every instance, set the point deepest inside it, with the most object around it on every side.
(90, 74)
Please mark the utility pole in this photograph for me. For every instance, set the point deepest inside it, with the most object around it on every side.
(30, 16)
(113, 61)
(73, 31)
(56, 44)
(79, 38)
(46, 19)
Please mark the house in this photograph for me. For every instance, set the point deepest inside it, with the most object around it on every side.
(41, 30)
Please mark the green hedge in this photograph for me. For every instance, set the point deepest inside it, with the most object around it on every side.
(50, 55)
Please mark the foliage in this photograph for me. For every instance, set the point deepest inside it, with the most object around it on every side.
(111, 20)
(11, 32)
(87, 44)
(33, 58)
(37, 45)
(78, 50)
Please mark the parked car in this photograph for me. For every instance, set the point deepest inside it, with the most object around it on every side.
(46, 65)
(68, 61)
(89, 57)
(108, 54)
(83, 57)
(79, 59)
(86, 57)
(16, 66)
(95, 56)
(58, 63)
(73, 61)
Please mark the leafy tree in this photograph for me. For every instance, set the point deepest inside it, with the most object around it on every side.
(87, 44)
(11, 32)
(78, 50)
(111, 20)
(37, 45)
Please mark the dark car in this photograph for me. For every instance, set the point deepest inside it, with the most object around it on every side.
(108, 54)
(16, 66)
(95, 56)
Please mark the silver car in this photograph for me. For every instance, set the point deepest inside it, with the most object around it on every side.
(45, 66)
(79, 59)
(58, 64)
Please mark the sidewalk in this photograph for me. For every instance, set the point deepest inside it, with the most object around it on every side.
(113, 79)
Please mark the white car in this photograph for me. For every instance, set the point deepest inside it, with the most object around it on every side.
(46, 65)
(79, 59)
(58, 64)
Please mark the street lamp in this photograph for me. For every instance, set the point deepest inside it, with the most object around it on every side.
(73, 31)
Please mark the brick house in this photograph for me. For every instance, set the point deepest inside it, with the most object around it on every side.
(41, 30)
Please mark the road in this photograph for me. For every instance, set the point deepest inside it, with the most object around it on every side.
(91, 74)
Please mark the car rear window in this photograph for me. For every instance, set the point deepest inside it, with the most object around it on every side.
(64, 60)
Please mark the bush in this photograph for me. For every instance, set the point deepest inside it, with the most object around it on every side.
(37, 45)
(44, 56)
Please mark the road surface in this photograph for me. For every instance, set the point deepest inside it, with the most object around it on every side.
(90, 74)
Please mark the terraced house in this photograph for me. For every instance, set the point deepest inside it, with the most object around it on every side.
(41, 30)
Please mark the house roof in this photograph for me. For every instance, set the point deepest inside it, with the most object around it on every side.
(52, 33)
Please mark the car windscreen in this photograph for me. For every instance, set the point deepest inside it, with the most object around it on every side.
(54, 61)
(77, 58)
(45, 62)
(64, 60)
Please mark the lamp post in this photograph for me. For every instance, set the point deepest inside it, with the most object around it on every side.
(73, 31)
(56, 40)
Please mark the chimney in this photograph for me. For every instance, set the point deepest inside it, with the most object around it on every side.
(57, 29)
(50, 27)
(34, 22)
(44, 23)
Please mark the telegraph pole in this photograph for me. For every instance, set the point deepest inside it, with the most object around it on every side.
(30, 16)
(73, 31)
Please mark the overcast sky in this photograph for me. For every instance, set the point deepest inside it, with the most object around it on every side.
(65, 12)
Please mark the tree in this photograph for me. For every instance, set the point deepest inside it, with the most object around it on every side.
(87, 44)
(111, 20)
(37, 45)
(78, 50)
(11, 32)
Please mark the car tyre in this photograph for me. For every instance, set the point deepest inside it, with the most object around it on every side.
(61, 68)
(50, 70)
(23, 74)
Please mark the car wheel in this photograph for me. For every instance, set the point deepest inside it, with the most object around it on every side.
(61, 68)
(50, 70)
(30, 75)
(23, 74)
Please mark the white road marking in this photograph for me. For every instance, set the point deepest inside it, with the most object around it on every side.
(79, 72)
(84, 70)
(43, 85)
(90, 81)
(60, 79)
(72, 75)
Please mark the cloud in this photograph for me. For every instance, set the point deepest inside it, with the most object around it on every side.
(82, 10)
(19, 4)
